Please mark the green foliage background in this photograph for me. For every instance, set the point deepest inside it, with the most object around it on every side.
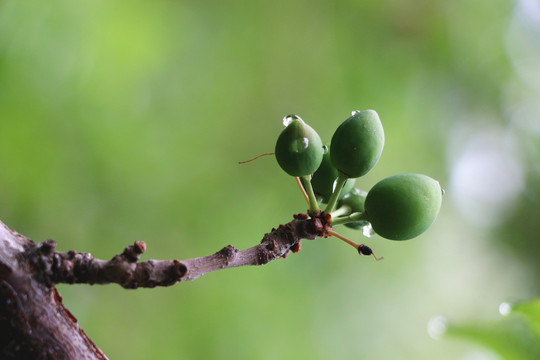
(124, 121)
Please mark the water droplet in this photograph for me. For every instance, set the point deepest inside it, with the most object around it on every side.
(436, 326)
(287, 120)
(505, 308)
(443, 191)
(367, 231)
(354, 112)
(325, 149)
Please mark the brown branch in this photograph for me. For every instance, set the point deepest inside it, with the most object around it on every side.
(34, 324)
(274, 245)
(70, 267)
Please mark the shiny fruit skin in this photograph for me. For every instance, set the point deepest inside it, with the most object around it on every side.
(357, 143)
(403, 206)
(299, 149)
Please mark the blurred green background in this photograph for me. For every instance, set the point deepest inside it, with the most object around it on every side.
(124, 121)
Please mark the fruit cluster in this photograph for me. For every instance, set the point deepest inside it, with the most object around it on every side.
(399, 207)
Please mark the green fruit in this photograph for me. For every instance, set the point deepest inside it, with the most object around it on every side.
(357, 143)
(355, 200)
(403, 206)
(324, 178)
(299, 149)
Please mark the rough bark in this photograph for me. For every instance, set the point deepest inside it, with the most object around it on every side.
(34, 324)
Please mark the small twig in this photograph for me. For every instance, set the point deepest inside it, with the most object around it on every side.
(54, 267)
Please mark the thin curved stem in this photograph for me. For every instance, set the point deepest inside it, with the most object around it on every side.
(343, 238)
(313, 205)
(299, 182)
(361, 248)
(340, 182)
(256, 157)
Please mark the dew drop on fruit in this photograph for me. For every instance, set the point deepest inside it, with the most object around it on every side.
(354, 112)
(436, 326)
(287, 120)
(367, 231)
(325, 149)
(505, 308)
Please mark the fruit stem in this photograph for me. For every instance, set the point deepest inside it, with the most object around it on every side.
(342, 211)
(343, 238)
(340, 182)
(299, 182)
(312, 200)
(357, 216)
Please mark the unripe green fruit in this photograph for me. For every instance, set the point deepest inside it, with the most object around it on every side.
(357, 143)
(355, 200)
(324, 178)
(299, 148)
(403, 206)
